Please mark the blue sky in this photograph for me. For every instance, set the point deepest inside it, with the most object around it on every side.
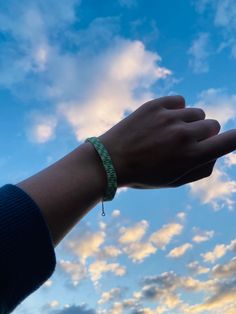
(72, 69)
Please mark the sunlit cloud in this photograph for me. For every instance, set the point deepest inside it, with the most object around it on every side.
(75, 270)
(196, 268)
(86, 244)
(97, 269)
(180, 250)
(134, 233)
(162, 237)
(201, 235)
(219, 251)
(111, 295)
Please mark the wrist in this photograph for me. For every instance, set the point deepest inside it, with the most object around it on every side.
(95, 169)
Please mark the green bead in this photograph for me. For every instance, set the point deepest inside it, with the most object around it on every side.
(108, 165)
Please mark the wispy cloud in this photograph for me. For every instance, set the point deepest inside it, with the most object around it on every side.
(199, 53)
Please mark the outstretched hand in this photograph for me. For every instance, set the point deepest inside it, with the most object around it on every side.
(165, 144)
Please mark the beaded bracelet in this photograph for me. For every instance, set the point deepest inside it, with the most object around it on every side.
(110, 170)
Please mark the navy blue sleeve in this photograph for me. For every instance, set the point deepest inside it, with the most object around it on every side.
(27, 256)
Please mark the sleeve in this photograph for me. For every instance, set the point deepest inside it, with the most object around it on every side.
(27, 256)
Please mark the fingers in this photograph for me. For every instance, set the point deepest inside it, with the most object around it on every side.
(171, 102)
(215, 146)
(189, 114)
(203, 129)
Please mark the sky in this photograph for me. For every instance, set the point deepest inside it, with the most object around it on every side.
(72, 69)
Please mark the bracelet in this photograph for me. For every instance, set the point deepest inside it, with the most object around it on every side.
(109, 167)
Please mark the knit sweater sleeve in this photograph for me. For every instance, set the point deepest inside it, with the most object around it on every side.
(27, 256)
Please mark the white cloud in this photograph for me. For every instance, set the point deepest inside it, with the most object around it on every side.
(124, 66)
(116, 213)
(53, 304)
(201, 235)
(181, 216)
(110, 295)
(196, 268)
(162, 237)
(137, 251)
(218, 251)
(86, 244)
(199, 53)
(227, 270)
(180, 250)
(48, 283)
(108, 252)
(42, 128)
(213, 100)
(75, 270)
(134, 233)
(71, 82)
(97, 268)
(230, 159)
(224, 17)
(216, 190)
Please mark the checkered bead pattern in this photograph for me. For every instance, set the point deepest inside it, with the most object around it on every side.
(108, 165)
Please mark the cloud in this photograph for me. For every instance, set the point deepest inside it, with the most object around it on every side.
(137, 251)
(41, 128)
(181, 216)
(86, 243)
(199, 53)
(218, 251)
(74, 309)
(75, 270)
(227, 270)
(195, 268)
(90, 86)
(224, 16)
(116, 213)
(134, 233)
(97, 268)
(108, 252)
(180, 250)
(162, 237)
(125, 66)
(213, 100)
(224, 297)
(230, 160)
(202, 236)
(216, 190)
(111, 295)
(53, 303)
(165, 289)
(48, 283)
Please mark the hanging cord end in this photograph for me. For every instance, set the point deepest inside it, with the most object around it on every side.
(103, 212)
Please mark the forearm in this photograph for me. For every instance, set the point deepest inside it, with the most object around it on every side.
(68, 189)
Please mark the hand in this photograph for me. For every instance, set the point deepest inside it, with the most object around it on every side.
(164, 144)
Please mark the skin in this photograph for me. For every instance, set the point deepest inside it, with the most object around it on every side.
(162, 144)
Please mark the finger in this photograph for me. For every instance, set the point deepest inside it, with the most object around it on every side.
(203, 129)
(189, 114)
(172, 102)
(215, 146)
(196, 174)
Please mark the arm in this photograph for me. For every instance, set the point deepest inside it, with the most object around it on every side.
(68, 189)
(162, 144)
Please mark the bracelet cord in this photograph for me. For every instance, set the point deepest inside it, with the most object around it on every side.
(109, 168)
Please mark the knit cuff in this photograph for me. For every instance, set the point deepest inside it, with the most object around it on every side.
(27, 256)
